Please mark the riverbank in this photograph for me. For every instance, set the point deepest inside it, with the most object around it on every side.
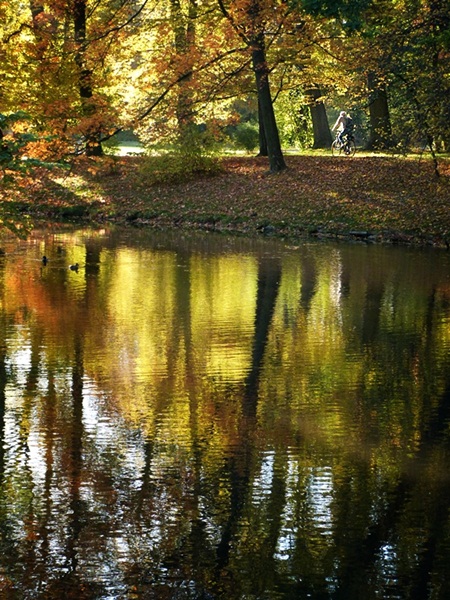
(374, 198)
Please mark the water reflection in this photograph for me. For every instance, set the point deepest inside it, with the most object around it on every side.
(221, 418)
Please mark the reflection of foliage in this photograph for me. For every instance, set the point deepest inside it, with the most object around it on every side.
(133, 391)
(14, 220)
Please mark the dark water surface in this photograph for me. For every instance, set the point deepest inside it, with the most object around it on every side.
(219, 418)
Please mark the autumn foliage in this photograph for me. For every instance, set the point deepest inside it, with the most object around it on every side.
(76, 73)
(82, 70)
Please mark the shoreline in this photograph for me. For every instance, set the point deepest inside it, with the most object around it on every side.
(367, 199)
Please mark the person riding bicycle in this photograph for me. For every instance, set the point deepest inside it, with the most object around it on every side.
(344, 124)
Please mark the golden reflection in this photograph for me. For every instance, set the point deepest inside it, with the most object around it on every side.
(223, 293)
(221, 419)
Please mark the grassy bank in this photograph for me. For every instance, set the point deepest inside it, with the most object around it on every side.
(384, 199)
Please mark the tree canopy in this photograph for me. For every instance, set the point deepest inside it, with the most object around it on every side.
(79, 71)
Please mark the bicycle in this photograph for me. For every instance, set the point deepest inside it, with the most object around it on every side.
(346, 147)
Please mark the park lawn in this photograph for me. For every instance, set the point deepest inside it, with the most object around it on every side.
(381, 198)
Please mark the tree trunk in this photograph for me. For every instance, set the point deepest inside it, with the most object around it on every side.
(380, 123)
(262, 134)
(321, 129)
(93, 145)
(184, 34)
(276, 159)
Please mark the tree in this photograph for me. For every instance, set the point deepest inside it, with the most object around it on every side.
(63, 54)
(401, 50)
(184, 36)
(250, 27)
(419, 64)
(380, 122)
(85, 78)
(406, 59)
(321, 130)
(82, 70)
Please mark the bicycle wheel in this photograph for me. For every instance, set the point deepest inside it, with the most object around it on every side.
(349, 148)
(336, 148)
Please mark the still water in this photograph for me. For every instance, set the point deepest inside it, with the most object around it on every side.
(218, 418)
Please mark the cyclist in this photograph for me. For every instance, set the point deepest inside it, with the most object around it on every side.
(344, 124)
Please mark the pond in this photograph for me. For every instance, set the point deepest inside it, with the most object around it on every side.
(202, 417)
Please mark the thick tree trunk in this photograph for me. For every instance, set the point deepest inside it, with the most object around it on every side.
(262, 134)
(276, 159)
(321, 129)
(380, 123)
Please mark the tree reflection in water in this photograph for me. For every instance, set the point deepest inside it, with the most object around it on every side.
(221, 418)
